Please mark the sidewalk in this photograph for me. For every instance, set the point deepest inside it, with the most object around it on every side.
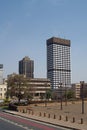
(66, 124)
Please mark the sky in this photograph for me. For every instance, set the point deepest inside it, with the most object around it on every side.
(25, 25)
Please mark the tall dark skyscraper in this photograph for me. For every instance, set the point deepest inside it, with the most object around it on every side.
(58, 62)
(26, 67)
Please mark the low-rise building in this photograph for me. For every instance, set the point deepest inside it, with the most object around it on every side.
(76, 89)
(39, 87)
(3, 90)
(60, 92)
(35, 87)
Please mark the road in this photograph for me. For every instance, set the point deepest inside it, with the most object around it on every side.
(13, 122)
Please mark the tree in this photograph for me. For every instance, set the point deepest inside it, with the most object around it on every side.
(48, 94)
(70, 94)
(16, 86)
(27, 93)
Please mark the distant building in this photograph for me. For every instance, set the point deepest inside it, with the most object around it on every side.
(58, 62)
(77, 89)
(38, 87)
(35, 87)
(3, 90)
(26, 67)
(60, 92)
(1, 73)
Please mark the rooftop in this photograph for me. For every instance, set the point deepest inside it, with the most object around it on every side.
(59, 41)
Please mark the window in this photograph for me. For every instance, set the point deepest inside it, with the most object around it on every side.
(1, 94)
(4, 89)
(0, 89)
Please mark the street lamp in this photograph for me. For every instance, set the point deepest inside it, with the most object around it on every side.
(61, 94)
(82, 95)
(65, 95)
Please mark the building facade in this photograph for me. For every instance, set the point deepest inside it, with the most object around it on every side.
(58, 62)
(26, 67)
(3, 90)
(76, 89)
(38, 87)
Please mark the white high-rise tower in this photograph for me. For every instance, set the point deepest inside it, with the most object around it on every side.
(58, 62)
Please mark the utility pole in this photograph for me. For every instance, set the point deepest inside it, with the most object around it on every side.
(82, 95)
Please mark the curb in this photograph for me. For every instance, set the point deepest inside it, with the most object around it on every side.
(72, 128)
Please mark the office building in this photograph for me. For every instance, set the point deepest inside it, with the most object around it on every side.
(58, 62)
(35, 87)
(38, 87)
(26, 67)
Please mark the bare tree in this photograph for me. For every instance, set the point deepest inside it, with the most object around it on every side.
(16, 86)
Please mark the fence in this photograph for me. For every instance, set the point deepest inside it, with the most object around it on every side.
(48, 115)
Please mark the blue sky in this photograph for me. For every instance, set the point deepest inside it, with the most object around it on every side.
(25, 25)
